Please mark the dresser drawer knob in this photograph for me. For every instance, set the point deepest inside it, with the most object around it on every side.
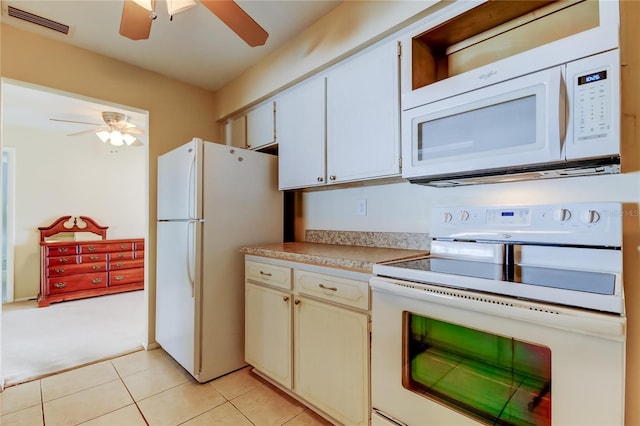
(91, 248)
(324, 287)
(59, 271)
(96, 267)
(63, 260)
(60, 285)
(119, 277)
(96, 280)
(265, 274)
(63, 249)
(124, 246)
(121, 255)
(94, 257)
(119, 265)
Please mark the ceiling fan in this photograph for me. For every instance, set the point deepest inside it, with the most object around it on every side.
(137, 16)
(116, 129)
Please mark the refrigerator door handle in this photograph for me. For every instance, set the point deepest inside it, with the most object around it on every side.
(191, 187)
(191, 266)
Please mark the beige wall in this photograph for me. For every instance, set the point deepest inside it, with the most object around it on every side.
(345, 30)
(58, 176)
(177, 111)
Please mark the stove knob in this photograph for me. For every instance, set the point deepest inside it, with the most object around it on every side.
(447, 218)
(562, 215)
(590, 216)
(464, 216)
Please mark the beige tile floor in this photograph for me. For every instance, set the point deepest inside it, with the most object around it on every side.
(149, 388)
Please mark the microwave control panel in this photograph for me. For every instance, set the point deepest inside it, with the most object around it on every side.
(592, 96)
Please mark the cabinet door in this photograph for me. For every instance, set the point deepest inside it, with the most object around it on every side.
(363, 116)
(268, 332)
(301, 135)
(236, 132)
(332, 359)
(260, 124)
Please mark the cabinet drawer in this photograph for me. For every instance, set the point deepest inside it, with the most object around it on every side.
(80, 268)
(126, 276)
(90, 258)
(93, 248)
(278, 276)
(123, 255)
(62, 260)
(126, 264)
(77, 282)
(340, 290)
(123, 246)
(61, 250)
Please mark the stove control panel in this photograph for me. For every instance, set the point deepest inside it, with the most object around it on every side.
(594, 224)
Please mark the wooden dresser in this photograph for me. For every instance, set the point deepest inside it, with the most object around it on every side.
(77, 269)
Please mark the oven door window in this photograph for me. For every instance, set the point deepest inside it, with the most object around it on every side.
(494, 379)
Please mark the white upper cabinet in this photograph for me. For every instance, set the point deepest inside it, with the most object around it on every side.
(343, 125)
(236, 132)
(363, 116)
(261, 126)
(301, 135)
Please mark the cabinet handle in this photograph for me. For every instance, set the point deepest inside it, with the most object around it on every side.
(60, 285)
(63, 260)
(285, 298)
(96, 280)
(332, 177)
(324, 287)
(123, 246)
(121, 255)
(94, 257)
(91, 248)
(119, 265)
(119, 277)
(96, 267)
(320, 179)
(297, 301)
(265, 274)
(59, 271)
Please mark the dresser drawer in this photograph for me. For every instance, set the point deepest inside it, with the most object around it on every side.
(139, 246)
(95, 257)
(138, 254)
(77, 282)
(70, 259)
(123, 255)
(80, 268)
(62, 250)
(340, 290)
(279, 276)
(123, 246)
(126, 264)
(93, 248)
(126, 276)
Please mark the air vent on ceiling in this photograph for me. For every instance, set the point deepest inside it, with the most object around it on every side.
(38, 20)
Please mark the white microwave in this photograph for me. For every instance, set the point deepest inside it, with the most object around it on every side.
(561, 121)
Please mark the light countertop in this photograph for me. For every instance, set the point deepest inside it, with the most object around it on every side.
(356, 258)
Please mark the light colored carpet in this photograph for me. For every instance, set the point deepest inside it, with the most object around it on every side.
(40, 341)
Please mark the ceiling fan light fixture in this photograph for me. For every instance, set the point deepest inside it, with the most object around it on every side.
(116, 138)
(145, 3)
(177, 6)
(128, 139)
(104, 136)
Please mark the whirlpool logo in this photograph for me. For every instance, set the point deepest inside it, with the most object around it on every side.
(487, 75)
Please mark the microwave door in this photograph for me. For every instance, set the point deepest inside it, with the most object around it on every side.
(516, 123)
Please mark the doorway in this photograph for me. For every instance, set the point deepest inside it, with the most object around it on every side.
(78, 174)
(8, 191)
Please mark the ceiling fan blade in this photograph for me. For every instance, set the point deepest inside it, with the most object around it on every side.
(86, 132)
(134, 131)
(75, 122)
(135, 22)
(238, 20)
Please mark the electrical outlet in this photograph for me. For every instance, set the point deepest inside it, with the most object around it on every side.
(361, 207)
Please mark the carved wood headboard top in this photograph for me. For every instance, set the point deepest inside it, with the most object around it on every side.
(73, 224)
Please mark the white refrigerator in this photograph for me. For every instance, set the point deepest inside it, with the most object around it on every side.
(212, 199)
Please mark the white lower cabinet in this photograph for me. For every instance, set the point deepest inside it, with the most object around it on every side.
(325, 361)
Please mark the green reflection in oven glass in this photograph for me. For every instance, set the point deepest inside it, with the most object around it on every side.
(495, 379)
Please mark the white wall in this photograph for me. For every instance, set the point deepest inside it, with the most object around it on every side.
(405, 207)
(58, 175)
